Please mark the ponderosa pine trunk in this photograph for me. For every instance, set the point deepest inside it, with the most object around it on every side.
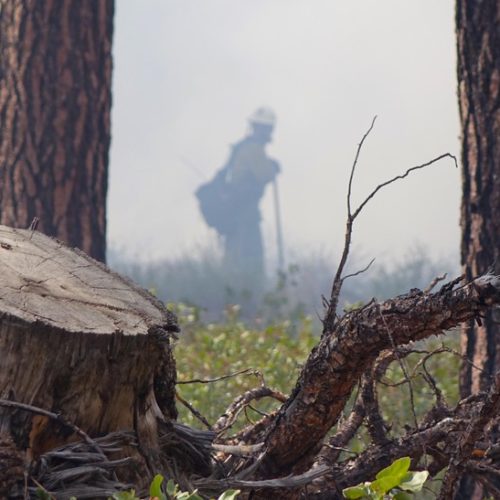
(478, 48)
(55, 100)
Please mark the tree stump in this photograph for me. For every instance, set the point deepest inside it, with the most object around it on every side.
(79, 340)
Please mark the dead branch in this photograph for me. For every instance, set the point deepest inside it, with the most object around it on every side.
(374, 458)
(336, 444)
(365, 407)
(330, 316)
(361, 271)
(450, 436)
(434, 282)
(193, 410)
(339, 360)
(249, 371)
(337, 282)
(226, 420)
(488, 411)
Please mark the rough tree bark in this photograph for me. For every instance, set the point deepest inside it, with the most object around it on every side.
(478, 44)
(339, 360)
(478, 49)
(80, 341)
(55, 99)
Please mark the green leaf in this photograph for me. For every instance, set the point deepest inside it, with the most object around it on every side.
(414, 481)
(155, 488)
(398, 468)
(42, 494)
(401, 496)
(385, 484)
(229, 495)
(358, 491)
(171, 488)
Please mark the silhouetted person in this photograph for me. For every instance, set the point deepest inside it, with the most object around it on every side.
(230, 202)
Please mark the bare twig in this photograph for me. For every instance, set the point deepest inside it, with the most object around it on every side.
(226, 420)
(346, 431)
(434, 282)
(330, 315)
(428, 355)
(241, 450)
(247, 416)
(357, 273)
(402, 176)
(58, 418)
(353, 168)
(249, 371)
(193, 410)
(340, 448)
(256, 410)
(402, 364)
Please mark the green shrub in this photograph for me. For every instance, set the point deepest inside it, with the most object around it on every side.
(208, 351)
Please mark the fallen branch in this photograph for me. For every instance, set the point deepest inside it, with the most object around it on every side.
(337, 363)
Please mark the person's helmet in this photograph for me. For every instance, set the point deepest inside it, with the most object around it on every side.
(263, 116)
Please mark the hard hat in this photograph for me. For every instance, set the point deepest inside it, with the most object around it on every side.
(263, 116)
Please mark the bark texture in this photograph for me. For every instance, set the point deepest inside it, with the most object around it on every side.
(478, 49)
(55, 100)
(80, 341)
(343, 355)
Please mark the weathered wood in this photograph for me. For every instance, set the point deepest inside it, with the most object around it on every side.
(336, 364)
(80, 340)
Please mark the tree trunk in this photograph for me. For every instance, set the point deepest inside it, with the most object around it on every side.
(82, 342)
(478, 48)
(55, 99)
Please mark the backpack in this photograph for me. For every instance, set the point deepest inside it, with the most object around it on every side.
(217, 203)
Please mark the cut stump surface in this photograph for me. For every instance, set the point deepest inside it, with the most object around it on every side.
(80, 340)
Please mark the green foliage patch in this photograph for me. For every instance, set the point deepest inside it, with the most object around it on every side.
(272, 354)
(395, 481)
